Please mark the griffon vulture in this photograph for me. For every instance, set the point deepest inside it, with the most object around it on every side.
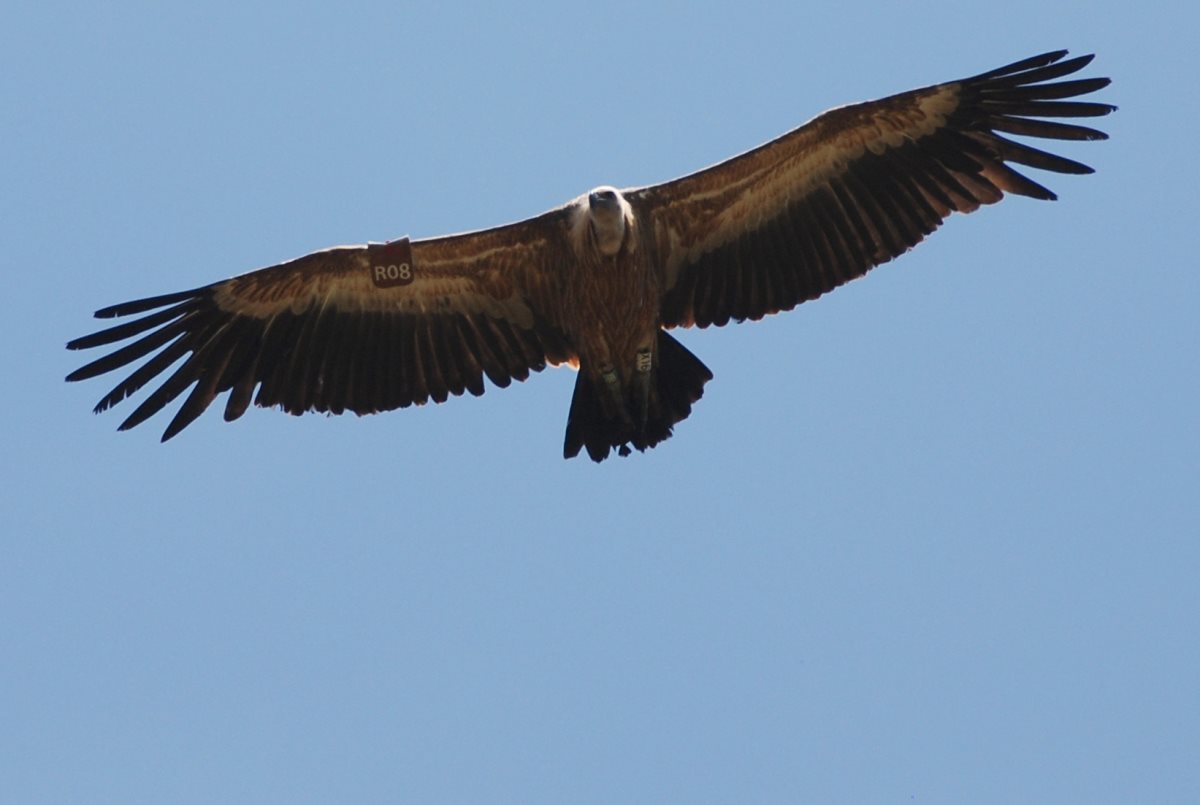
(598, 282)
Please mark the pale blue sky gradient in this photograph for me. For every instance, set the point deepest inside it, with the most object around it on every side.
(932, 538)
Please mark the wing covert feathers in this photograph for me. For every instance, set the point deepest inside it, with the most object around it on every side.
(858, 186)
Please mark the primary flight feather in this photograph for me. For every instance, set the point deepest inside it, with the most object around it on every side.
(597, 282)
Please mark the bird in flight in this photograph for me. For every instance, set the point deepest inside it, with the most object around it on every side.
(598, 282)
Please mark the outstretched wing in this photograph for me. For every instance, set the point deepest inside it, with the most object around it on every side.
(356, 328)
(855, 187)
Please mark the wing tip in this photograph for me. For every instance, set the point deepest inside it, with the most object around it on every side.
(130, 423)
(148, 303)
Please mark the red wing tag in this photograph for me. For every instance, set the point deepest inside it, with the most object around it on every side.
(391, 263)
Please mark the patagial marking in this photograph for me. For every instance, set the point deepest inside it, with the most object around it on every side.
(391, 263)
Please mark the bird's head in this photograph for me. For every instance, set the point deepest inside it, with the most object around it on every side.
(607, 210)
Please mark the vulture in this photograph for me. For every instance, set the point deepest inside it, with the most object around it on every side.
(599, 282)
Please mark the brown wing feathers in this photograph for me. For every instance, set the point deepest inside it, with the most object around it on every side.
(887, 198)
(319, 357)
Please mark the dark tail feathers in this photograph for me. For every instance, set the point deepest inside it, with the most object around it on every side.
(676, 381)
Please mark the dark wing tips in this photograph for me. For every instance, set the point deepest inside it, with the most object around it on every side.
(1031, 63)
(1028, 89)
(1043, 67)
(168, 331)
(149, 303)
(1016, 99)
(129, 329)
(170, 323)
(1011, 151)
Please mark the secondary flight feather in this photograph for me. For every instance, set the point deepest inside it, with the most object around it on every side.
(597, 282)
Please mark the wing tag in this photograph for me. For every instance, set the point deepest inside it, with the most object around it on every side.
(391, 263)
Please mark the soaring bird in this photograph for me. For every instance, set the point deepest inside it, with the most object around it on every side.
(598, 282)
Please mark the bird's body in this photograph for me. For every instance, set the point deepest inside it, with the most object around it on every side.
(614, 268)
(597, 282)
(610, 315)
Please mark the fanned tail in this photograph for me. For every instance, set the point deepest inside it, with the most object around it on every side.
(647, 417)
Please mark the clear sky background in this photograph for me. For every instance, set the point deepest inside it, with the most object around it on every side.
(932, 538)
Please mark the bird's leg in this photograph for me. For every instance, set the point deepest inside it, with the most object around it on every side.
(616, 400)
(641, 386)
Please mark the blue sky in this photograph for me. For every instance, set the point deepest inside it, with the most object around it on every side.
(931, 538)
